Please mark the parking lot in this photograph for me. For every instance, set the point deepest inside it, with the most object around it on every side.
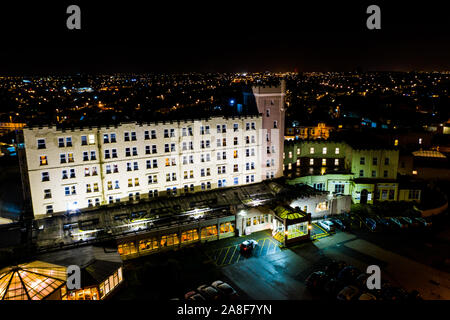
(227, 252)
(318, 232)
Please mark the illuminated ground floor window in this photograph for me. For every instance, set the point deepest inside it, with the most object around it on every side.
(127, 248)
(83, 294)
(109, 284)
(148, 244)
(226, 227)
(209, 231)
(169, 240)
(189, 235)
(297, 230)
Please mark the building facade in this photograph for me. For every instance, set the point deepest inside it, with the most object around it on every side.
(270, 103)
(74, 169)
(368, 174)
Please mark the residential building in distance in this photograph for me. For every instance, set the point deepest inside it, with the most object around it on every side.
(367, 171)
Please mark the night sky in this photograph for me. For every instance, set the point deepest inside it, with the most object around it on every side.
(223, 36)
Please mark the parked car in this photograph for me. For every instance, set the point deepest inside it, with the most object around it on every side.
(414, 296)
(334, 267)
(390, 292)
(327, 225)
(385, 223)
(397, 223)
(348, 275)
(367, 296)
(361, 281)
(227, 291)
(422, 222)
(247, 246)
(339, 224)
(371, 224)
(409, 222)
(332, 287)
(316, 281)
(193, 295)
(348, 293)
(209, 292)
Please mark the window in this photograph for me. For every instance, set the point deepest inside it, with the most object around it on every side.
(153, 132)
(362, 160)
(45, 176)
(107, 155)
(41, 143)
(114, 153)
(339, 188)
(62, 158)
(374, 161)
(126, 136)
(298, 151)
(336, 162)
(235, 127)
(311, 162)
(47, 194)
(385, 173)
(146, 135)
(133, 136)
(391, 194)
(414, 194)
(61, 142)
(374, 174)
(319, 186)
(93, 156)
(235, 141)
(386, 161)
(361, 173)
(275, 124)
(43, 160)
(311, 150)
(49, 209)
(113, 138)
(324, 150)
(84, 141)
(336, 151)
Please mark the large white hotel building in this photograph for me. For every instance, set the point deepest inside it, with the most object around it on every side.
(73, 169)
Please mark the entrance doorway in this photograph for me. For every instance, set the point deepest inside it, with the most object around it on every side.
(363, 198)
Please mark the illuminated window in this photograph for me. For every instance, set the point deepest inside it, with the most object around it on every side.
(43, 160)
(324, 150)
(324, 162)
(311, 150)
(336, 162)
(336, 151)
(92, 139)
(311, 162)
(396, 142)
(322, 206)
